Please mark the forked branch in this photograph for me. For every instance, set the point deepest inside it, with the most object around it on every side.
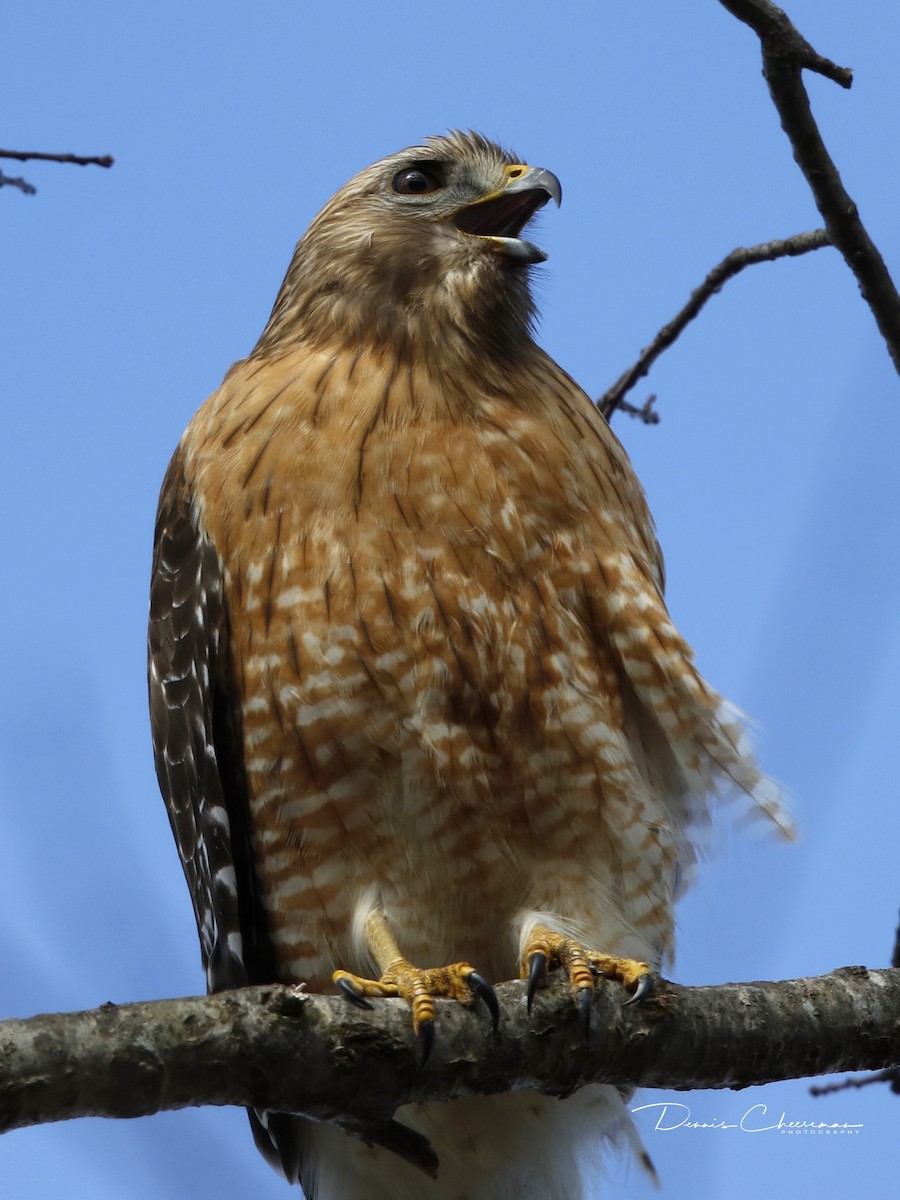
(785, 55)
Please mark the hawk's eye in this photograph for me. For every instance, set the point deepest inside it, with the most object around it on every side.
(416, 181)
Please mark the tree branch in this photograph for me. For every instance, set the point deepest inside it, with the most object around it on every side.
(735, 262)
(774, 25)
(281, 1048)
(785, 54)
(103, 160)
(17, 181)
(890, 1076)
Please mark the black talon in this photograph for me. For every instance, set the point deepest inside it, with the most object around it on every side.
(644, 987)
(352, 994)
(537, 964)
(485, 992)
(583, 1001)
(426, 1041)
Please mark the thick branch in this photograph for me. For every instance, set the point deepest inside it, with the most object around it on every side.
(785, 54)
(280, 1048)
(890, 1076)
(735, 262)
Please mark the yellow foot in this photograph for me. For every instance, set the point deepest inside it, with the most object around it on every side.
(546, 949)
(418, 986)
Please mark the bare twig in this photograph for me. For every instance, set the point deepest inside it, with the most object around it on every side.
(103, 160)
(889, 1076)
(645, 412)
(785, 54)
(18, 182)
(279, 1048)
(736, 261)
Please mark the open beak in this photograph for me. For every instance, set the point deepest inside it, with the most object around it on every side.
(500, 216)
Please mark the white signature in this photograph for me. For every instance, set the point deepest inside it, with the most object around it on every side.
(673, 1115)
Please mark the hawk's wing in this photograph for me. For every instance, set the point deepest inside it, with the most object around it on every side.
(195, 721)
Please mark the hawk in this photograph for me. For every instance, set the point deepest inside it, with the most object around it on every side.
(420, 716)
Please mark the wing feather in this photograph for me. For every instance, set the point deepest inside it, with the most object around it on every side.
(195, 722)
(185, 644)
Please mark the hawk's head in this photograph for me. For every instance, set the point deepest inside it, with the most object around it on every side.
(422, 251)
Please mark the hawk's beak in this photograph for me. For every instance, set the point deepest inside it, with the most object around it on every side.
(499, 217)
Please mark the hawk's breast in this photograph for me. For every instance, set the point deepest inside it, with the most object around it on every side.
(430, 706)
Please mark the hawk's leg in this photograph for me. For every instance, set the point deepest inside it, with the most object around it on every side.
(417, 985)
(545, 949)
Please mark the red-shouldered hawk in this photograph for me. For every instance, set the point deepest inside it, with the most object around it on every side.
(415, 694)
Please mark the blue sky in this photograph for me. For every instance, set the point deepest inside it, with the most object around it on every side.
(128, 293)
